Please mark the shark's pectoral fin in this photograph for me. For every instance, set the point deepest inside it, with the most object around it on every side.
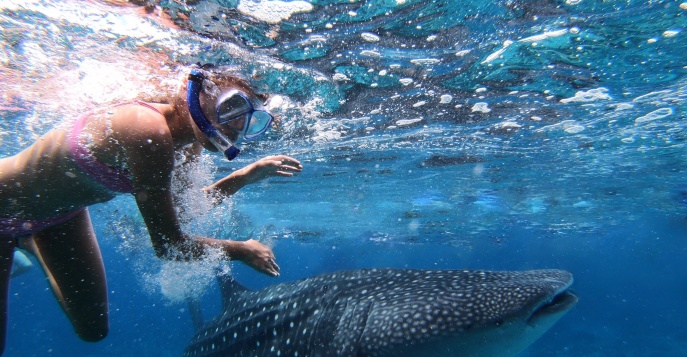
(229, 289)
(196, 312)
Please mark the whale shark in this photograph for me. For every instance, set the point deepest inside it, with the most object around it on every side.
(387, 312)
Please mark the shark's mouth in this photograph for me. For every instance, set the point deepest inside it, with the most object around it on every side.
(560, 303)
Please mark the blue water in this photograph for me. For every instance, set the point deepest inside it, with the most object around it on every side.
(563, 145)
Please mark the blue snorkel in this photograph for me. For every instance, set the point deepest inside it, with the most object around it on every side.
(221, 142)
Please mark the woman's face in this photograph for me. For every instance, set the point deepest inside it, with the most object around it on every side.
(234, 111)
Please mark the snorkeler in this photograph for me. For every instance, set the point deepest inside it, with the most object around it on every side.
(127, 148)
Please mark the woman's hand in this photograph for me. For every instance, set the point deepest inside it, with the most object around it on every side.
(251, 252)
(269, 166)
(258, 256)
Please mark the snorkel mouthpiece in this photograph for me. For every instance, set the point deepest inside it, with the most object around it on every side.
(221, 142)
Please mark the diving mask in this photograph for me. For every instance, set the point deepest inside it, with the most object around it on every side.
(234, 110)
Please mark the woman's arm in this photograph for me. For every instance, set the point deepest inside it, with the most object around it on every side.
(149, 150)
(281, 165)
(170, 242)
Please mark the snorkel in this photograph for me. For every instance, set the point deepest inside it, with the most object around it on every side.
(221, 142)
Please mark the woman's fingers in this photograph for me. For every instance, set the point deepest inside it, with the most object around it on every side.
(286, 166)
(288, 161)
(270, 267)
(274, 268)
(262, 258)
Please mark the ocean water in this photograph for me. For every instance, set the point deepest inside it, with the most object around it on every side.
(434, 134)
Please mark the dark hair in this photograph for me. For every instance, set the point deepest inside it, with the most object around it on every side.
(219, 75)
(230, 76)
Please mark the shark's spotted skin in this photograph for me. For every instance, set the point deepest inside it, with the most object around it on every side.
(387, 312)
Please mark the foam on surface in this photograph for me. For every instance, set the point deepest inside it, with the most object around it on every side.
(273, 12)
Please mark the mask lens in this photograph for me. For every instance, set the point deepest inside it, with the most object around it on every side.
(233, 107)
(259, 123)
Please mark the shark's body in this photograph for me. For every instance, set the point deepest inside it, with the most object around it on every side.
(387, 312)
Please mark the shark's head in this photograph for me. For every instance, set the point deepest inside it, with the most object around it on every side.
(468, 313)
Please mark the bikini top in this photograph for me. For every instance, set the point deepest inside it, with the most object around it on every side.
(113, 178)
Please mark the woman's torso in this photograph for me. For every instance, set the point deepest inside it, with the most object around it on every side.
(44, 180)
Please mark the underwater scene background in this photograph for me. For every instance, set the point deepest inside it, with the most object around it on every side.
(434, 134)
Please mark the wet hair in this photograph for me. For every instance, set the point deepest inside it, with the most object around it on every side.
(229, 76)
(221, 76)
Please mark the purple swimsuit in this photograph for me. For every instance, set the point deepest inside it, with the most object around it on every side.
(17, 227)
(114, 179)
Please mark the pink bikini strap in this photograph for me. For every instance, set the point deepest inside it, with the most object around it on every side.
(149, 106)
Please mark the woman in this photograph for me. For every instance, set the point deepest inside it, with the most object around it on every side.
(127, 148)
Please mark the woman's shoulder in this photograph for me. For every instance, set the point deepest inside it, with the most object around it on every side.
(135, 117)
